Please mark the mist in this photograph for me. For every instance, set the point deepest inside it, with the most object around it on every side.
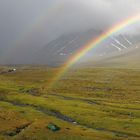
(28, 25)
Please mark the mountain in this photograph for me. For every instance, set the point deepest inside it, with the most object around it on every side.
(60, 49)
(57, 51)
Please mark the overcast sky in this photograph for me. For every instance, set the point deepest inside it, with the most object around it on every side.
(35, 22)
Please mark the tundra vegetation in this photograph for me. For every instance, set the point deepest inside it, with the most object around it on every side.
(86, 104)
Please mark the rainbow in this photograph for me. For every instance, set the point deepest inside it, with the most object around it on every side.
(94, 43)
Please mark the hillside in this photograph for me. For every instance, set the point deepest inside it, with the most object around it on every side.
(126, 59)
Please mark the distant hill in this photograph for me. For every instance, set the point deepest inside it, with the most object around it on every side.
(127, 59)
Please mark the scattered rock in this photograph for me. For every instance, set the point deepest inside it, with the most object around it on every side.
(17, 130)
(92, 88)
(32, 91)
(8, 71)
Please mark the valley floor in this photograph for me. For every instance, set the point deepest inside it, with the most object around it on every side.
(87, 104)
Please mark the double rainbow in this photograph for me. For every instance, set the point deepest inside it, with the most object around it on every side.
(94, 43)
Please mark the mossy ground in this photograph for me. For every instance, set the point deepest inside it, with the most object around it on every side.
(104, 102)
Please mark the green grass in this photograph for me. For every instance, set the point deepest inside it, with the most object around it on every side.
(105, 103)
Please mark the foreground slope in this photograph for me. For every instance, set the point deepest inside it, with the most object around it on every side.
(87, 104)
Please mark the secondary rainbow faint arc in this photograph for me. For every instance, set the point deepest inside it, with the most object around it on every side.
(94, 43)
(49, 13)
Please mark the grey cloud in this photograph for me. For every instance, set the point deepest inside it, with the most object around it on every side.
(58, 17)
